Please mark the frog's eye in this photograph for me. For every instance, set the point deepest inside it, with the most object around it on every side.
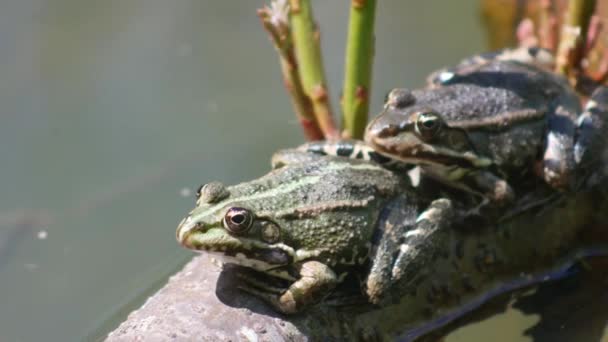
(238, 220)
(428, 124)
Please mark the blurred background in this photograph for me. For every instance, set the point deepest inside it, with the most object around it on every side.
(113, 112)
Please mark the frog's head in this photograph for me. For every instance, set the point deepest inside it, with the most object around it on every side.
(228, 221)
(323, 208)
(418, 134)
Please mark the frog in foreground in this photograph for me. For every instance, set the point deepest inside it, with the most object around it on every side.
(311, 221)
(489, 123)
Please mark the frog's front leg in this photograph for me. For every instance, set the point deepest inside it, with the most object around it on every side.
(407, 246)
(591, 148)
(316, 281)
(494, 189)
(558, 158)
(592, 128)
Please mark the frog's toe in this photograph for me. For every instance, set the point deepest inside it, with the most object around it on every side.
(502, 192)
(248, 282)
(556, 174)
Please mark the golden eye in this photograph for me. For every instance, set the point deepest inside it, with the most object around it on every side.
(428, 125)
(238, 220)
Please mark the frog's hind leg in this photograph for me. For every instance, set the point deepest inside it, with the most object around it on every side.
(353, 149)
(406, 248)
(395, 219)
(591, 147)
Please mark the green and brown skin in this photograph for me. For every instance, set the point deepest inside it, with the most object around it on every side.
(483, 125)
(310, 222)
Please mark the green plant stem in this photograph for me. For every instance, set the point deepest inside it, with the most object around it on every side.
(308, 51)
(281, 39)
(573, 37)
(358, 68)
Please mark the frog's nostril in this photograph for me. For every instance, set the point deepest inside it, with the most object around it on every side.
(388, 131)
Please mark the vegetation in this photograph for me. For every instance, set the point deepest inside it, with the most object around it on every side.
(570, 31)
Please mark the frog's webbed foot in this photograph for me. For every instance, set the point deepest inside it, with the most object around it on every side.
(316, 281)
(405, 248)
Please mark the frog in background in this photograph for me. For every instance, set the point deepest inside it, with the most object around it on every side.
(491, 122)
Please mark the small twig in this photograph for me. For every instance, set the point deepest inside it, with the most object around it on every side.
(572, 43)
(547, 26)
(601, 76)
(275, 20)
(358, 68)
(308, 51)
(593, 34)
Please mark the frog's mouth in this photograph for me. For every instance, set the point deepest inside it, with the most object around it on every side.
(243, 251)
(414, 151)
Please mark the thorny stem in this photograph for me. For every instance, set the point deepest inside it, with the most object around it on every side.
(308, 51)
(547, 24)
(280, 35)
(358, 68)
(572, 41)
(602, 70)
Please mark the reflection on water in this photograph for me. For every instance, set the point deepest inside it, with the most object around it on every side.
(110, 109)
(572, 309)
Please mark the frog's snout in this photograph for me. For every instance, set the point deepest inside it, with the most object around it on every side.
(376, 130)
(184, 228)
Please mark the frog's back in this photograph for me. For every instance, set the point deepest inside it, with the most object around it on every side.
(495, 88)
(466, 103)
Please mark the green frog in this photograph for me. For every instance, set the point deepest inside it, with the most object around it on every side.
(315, 220)
(485, 125)
(311, 222)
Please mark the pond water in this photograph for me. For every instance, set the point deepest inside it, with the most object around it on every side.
(114, 111)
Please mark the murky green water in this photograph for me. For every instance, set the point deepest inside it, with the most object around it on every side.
(113, 111)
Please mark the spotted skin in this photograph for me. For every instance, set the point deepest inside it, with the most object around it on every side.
(309, 222)
(538, 57)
